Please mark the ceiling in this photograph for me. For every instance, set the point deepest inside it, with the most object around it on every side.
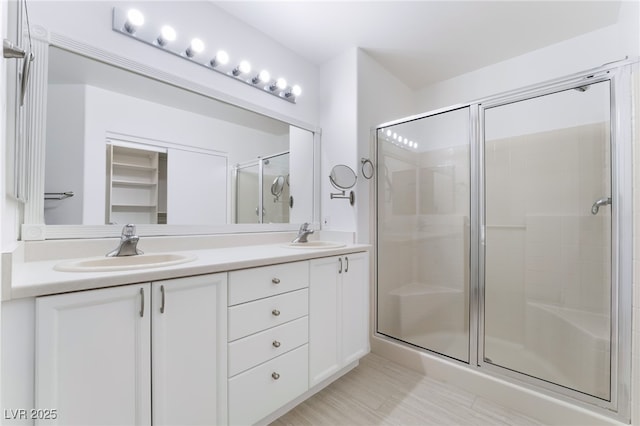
(422, 42)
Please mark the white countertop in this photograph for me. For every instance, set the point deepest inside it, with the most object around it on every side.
(38, 278)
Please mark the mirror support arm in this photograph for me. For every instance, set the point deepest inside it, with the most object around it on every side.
(342, 195)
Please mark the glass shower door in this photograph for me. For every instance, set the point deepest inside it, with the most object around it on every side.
(547, 264)
(423, 205)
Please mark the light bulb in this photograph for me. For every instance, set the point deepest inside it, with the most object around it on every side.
(406, 141)
(221, 58)
(389, 133)
(281, 83)
(167, 34)
(295, 91)
(196, 46)
(263, 76)
(135, 19)
(395, 136)
(243, 67)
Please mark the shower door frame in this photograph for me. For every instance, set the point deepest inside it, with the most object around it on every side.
(619, 76)
(621, 238)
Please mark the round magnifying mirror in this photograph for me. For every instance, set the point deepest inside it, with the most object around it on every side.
(342, 177)
(277, 186)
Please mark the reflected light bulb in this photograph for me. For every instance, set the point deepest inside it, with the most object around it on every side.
(395, 136)
(135, 19)
(389, 133)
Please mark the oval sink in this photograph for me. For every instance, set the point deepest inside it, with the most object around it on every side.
(123, 263)
(316, 245)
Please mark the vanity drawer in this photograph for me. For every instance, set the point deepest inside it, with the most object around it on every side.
(256, 283)
(260, 347)
(259, 315)
(260, 391)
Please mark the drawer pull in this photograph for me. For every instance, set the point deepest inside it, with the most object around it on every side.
(275, 375)
(276, 344)
(275, 280)
(275, 312)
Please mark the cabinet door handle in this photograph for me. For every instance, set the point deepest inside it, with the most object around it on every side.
(276, 344)
(340, 270)
(275, 375)
(163, 299)
(346, 268)
(141, 302)
(275, 280)
(275, 312)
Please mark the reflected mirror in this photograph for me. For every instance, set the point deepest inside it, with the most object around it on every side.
(277, 186)
(135, 150)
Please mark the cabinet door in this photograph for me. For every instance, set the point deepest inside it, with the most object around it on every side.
(355, 307)
(92, 356)
(189, 350)
(324, 312)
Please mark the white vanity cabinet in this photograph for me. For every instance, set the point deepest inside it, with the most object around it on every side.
(93, 360)
(338, 313)
(188, 350)
(268, 335)
(100, 353)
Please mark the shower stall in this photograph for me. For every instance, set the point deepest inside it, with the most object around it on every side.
(503, 236)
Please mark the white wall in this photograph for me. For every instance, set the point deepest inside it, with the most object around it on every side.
(338, 119)
(381, 97)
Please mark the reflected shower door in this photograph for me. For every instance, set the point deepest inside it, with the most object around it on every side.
(247, 194)
(547, 265)
(275, 189)
(423, 205)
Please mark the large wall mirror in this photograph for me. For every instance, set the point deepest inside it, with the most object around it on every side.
(122, 147)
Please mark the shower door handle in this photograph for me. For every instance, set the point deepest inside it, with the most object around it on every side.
(599, 203)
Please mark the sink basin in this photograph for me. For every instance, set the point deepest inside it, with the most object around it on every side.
(123, 263)
(316, 245)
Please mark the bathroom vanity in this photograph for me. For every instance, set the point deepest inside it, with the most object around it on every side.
(238, 335)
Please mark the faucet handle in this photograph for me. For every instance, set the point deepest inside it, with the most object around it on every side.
(304, 227)
(129, 230)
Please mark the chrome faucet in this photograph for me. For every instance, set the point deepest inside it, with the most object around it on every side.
(128, 243)
(303, 233)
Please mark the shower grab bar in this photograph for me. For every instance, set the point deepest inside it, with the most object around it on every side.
(599, 203)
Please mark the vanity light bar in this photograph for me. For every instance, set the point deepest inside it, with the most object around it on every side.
(131, 23)
(398, 140)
